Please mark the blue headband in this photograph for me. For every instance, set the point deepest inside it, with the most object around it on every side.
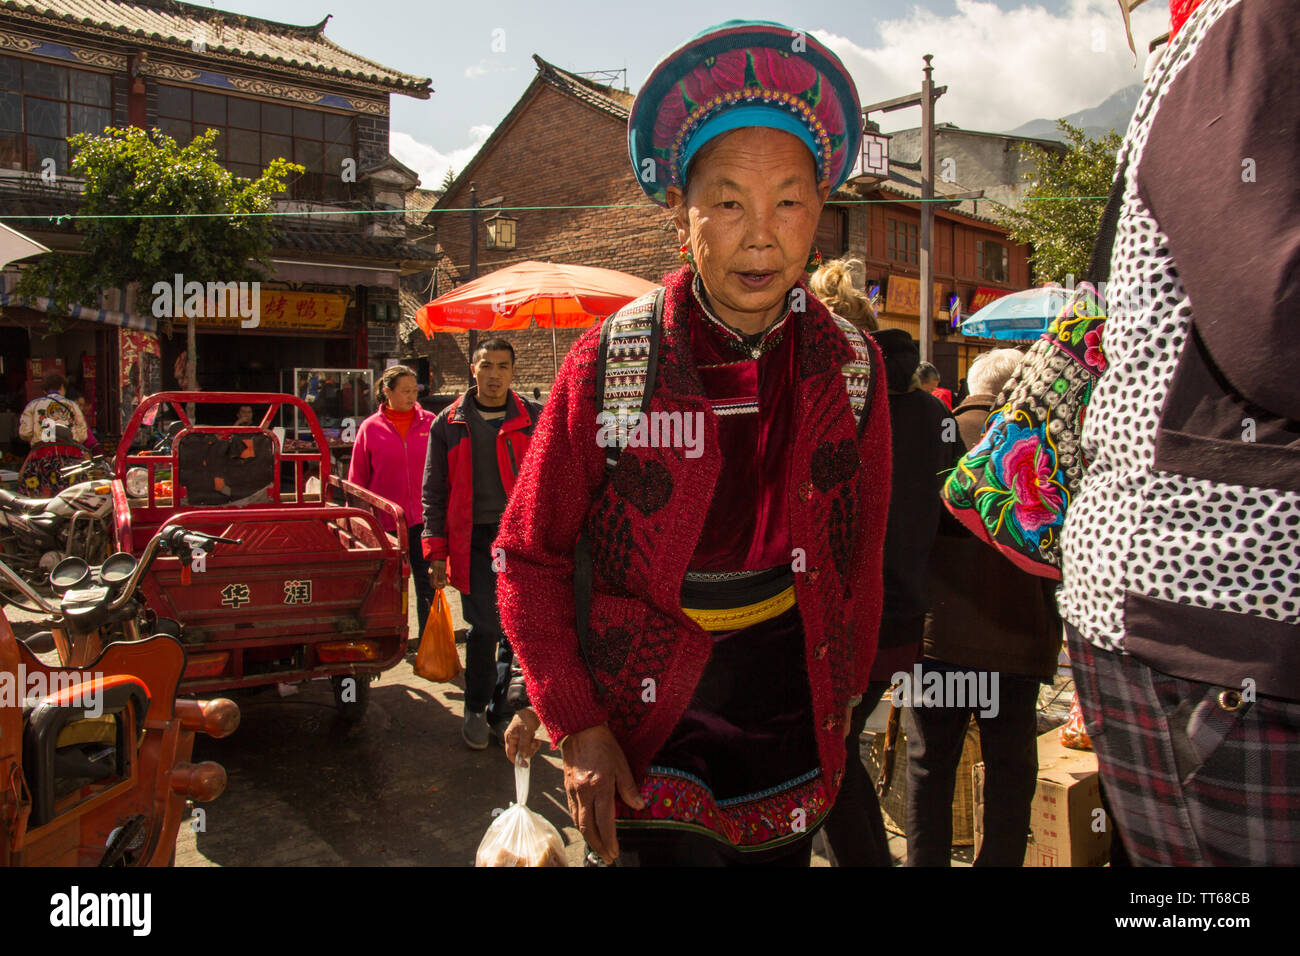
(741, 116)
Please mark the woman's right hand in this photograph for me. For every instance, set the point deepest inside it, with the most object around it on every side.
(438, 574)
(595, 769)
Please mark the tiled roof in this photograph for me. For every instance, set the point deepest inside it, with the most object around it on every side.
(168, 23)
(612, 101)
(905, 180)
(342, 243)
(419, 202)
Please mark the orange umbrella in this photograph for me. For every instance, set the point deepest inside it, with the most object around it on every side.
(548, 293)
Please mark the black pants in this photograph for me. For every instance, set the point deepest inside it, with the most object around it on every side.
(420, 577)
(1009, 745)
(855, 829)
(487, 651)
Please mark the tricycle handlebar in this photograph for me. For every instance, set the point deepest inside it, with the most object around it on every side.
(179, 541)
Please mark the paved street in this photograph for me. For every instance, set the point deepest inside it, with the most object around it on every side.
(400, 788)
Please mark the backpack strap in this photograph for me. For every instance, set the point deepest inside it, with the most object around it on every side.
(1099, 261)
(627, 360)
(625, 373)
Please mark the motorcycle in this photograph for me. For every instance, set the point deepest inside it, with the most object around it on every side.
(37, 533)
(96, 754)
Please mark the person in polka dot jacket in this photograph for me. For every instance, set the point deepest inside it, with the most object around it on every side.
(1181, 551)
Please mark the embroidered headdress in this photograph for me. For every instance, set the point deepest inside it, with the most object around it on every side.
(743, 73)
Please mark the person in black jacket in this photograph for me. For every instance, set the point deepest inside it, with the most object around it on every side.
(997, 624)
(925, 446)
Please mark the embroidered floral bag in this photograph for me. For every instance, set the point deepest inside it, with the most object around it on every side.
(1013, 488)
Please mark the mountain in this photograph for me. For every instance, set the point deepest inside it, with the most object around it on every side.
(1114, 113)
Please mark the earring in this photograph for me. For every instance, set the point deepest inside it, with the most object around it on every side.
(814, 262)
(684, 256)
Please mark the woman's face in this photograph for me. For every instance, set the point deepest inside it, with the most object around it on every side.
(749, 215)
(402, 393)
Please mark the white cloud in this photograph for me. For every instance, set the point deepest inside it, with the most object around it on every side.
(1002, 67)
(432, 164)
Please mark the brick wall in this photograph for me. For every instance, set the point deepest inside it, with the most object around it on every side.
(372, 139)
(559, 151)
(449, 366)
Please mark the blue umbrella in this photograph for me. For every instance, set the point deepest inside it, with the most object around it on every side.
(1020, 316)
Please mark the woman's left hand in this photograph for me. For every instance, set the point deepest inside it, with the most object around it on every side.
(848, 720)
(521, 735)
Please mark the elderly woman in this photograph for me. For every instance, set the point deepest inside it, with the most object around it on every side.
(734, 590)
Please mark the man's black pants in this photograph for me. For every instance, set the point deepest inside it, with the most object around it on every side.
(487, 651)
(1009, 745)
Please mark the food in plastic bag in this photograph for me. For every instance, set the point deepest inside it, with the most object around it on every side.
(1073, 734)
(520, 837)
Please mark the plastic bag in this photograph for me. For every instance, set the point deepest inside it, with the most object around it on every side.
(1073, 734)
(437, 659)
(520, 837)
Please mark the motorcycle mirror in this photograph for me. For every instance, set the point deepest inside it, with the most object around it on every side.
(117, 569)
(71, 572)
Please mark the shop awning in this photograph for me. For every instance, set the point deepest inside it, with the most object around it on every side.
(14, 246)
(126, 320)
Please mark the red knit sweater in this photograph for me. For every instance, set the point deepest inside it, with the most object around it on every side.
(643, 525)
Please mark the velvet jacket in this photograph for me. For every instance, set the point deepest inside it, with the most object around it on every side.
(644, 523)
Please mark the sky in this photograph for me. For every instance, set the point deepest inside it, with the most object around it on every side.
(1005, 62)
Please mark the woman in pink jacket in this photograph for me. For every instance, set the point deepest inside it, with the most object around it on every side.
(388, 459)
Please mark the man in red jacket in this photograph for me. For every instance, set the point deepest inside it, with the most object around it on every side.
(476, 446)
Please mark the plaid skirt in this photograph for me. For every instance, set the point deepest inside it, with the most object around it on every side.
(1191, 782)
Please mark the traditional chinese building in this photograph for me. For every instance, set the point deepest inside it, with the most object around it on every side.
(974, 260)
(271, 90)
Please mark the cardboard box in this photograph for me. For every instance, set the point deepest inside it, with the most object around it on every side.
(1067, 825)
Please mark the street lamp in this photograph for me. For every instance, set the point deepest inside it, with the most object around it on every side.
(924, 99)
(501, 232)
(875, 151)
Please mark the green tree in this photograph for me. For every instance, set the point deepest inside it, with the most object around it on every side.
(448, 178)
(155, 209)
(1059, 228)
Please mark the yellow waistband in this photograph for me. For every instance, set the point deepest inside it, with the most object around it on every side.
(734, 618)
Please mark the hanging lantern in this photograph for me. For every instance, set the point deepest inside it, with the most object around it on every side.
(501, 232)
(875, 152)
